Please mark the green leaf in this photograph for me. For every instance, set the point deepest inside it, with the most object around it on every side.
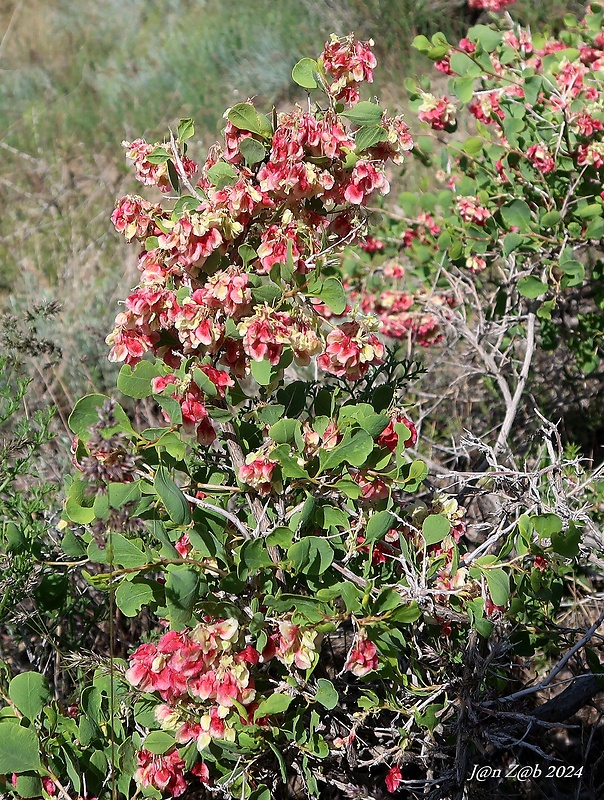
(591, 210)
(159, 156)
(326, 694)
(463, 88)
(350, 488)
(374, 424)
(364, 113)
(333, 295)
(125, 552)
(546, 525)
(511, 242)
(406, 614)
(185, 202)
(19, 749)
(284, 430)
(131, 596)
(473, 145)
(290, 468)
(78, 505)
(263, 372)
(595, 229)
(312, 554)
(29, 786)
(86, 414)
(173, 175)
(464, 66)
(574, 272)
(30, 693)
(551, 218)
(245, 117)
(487, 37)
(421, 43)
(247, 253)
(277, 703)
(254, 555)
(121, 493)
(517, 214)
(207, 386)
(531, 287)
(181, 594)
(252, 151)
(222, 174)
(171, 406)
(172, 497)
(429, 718)
(368, 136)
(354, 449)
(304, 73)
(186, 129)
(567, 544)
(378, 525)
(434, 528)
(498, 582)
(332, 517)
(159, 742)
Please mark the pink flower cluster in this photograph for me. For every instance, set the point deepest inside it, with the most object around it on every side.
(438, 113)
(203, 663)
(195, 417)
(293, 645)
(162, 772)
(471, 210)
(389, 437)
(351, 350)
(362, 658)
(154, 174)
(490, 5)
(541, 158)
(202, 263)
(258, 472)
(348, 63)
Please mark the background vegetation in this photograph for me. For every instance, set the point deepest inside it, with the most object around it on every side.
(77, 79)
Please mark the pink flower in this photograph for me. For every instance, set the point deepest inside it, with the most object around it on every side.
(438, 113)
(540, 563)
(351, 350)
(475, 264)
(229, 290)
(540, 158)
(393, 779)
(470, 210)
(372, 245)
(373, 488)
(183, 545)
(389, 437)
(348, 62)
(486, 107)
(155, 174)
(265, 334)
(129, 341)
(133, 217)
(591, 155)
(364, 181)
(586, 124)
(257, 472)
(162, 772)
(490, 5)
(296, 645)
(362, 658)
(201, 771)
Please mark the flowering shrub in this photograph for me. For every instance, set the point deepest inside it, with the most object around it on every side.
(310, 591)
